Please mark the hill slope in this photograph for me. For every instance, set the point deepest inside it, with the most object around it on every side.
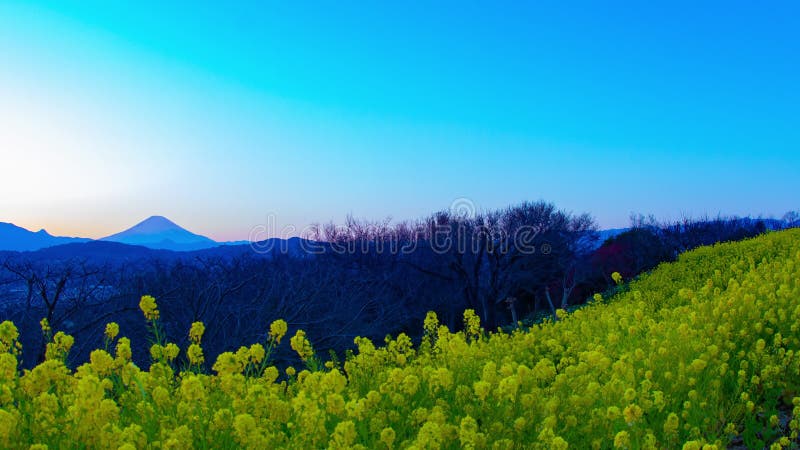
(703, 351)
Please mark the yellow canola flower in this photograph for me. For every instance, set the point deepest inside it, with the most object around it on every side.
(45, 325)
(387, 437)
(171, 351)
(196, 332)
(149, 307)
(301, 345)
(227, 363)
(558, 443)
(192, 389)
(622, 440)
(112, 330)
(8, 336)
(8, 427)
(257, 353)
(195, 354)
(156, 352)
(8, 367)
(278, 329)
(270, 374)
(472, 323)
(632, 413)
(469, 435)
(123, 350)
(344, 435)
(671, 424)
(482, 389)
(431, 323)
(102, 363)
(60, 347)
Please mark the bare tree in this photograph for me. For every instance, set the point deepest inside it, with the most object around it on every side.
(64, 292)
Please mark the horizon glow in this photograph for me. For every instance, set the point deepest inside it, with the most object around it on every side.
(220, 117)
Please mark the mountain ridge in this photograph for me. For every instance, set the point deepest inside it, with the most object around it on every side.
(19, 239)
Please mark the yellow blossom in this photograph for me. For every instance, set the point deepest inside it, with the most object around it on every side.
(102, 362)
(156, 352)
(45, 325)
(622, 440)
(257, 353)
(171, 351)
(195, 355)
(300, 344)
(558, 443)
(278, 329)
(671, 424)
(112, 330)
(387, 437)
(196, 332)
(472, 323)
(632, 413)
(149, 307)
(123, 350)
(431, 323)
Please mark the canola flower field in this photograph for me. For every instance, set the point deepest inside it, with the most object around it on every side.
(700, 353)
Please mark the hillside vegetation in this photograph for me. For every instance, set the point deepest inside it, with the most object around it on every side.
(700, 352)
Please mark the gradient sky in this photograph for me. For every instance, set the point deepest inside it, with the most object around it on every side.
(217, 115)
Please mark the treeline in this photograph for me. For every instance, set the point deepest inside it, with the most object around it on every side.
(649, 242)
(359, 278)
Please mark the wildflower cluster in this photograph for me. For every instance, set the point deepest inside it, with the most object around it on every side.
(696, 355)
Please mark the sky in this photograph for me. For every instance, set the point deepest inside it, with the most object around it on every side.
(220, 116)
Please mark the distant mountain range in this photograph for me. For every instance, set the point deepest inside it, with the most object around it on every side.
(156, 232)
(154, 238)
(18, 239)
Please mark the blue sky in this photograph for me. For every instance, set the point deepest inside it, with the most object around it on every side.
(217, 116)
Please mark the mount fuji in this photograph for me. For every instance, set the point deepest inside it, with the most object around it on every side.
(158, 232)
